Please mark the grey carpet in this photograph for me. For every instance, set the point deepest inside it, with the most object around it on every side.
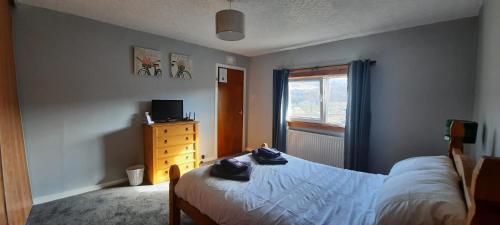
(141, 205)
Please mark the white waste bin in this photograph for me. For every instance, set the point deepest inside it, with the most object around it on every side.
(135, 175)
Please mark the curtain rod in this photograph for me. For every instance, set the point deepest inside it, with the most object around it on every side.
(372, 62)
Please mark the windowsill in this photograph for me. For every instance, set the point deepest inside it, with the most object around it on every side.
(317, 126)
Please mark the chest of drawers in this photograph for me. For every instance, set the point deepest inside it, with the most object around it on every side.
(166, 144)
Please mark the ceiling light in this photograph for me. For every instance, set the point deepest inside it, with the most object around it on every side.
(230, 24)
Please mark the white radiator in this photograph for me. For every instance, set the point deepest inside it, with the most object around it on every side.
(318, 148)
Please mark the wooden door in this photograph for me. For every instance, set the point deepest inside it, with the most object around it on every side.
(230, 113)
(14, 173)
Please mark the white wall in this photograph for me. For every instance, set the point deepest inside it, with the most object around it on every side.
(487, 102)
(423, 76)
(81, 105)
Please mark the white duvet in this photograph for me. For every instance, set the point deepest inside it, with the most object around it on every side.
(300, 192)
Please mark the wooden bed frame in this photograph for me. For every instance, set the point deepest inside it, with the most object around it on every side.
(480, 185)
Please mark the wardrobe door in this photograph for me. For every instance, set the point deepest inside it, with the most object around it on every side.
(16, 187)
(3, 210)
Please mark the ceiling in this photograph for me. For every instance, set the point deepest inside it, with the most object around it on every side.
(271, 25)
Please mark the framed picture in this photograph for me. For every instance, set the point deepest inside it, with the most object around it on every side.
(147, 62)
(180, 66)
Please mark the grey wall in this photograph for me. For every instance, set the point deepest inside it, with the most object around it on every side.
(423, 76)
(487, 102)
(81, 104)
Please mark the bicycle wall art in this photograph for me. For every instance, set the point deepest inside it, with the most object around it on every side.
(180, 66)
(147, 62)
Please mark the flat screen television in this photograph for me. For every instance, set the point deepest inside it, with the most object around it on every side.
(166, 110)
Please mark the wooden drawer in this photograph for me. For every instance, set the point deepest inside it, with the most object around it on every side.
(165, 163)
(174, 150)
(174, 130)
(167, 144)
(162, 174)
(165, 141)
(184, 168)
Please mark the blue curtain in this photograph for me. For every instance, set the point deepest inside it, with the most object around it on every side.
(357, 132)
(280, 105)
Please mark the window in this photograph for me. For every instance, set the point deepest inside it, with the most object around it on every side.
(336, 100)
(305, 99)
(318, 98)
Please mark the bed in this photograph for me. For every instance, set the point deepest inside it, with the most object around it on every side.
(303, 192)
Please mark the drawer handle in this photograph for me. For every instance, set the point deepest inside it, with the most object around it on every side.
(166, 171)
(187, 138)
(187, 166)
(187, 128)
(166, 161)
(187, 157)
(187, 147)
(165, 141)
(165, 130)
(165, 151)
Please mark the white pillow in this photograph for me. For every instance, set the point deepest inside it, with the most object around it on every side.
(440, 163)
(420, 197)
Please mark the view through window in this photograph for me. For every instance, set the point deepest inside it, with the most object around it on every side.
(321, 99)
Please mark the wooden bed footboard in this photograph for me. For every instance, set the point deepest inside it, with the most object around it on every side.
(174, 212)
(176, 204)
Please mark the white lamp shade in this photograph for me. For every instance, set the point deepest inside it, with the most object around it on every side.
(230, 25)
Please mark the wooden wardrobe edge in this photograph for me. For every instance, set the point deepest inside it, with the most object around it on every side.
(17, 196)
(3, 203)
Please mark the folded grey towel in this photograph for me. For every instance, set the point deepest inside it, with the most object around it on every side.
(280, 160)
(217, 171)
(232, 165)
(268, 152)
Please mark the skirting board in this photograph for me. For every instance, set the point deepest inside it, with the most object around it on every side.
(53, 197)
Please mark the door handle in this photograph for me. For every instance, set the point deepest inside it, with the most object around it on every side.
(240, 112)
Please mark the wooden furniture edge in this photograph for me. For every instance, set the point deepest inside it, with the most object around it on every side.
(197, 157)
(174, 212)
(484, 192)
(176, 204)
(194, 213)
(480, 184)
(457, 133)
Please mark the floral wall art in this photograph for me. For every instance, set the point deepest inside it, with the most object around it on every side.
(147, 62)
